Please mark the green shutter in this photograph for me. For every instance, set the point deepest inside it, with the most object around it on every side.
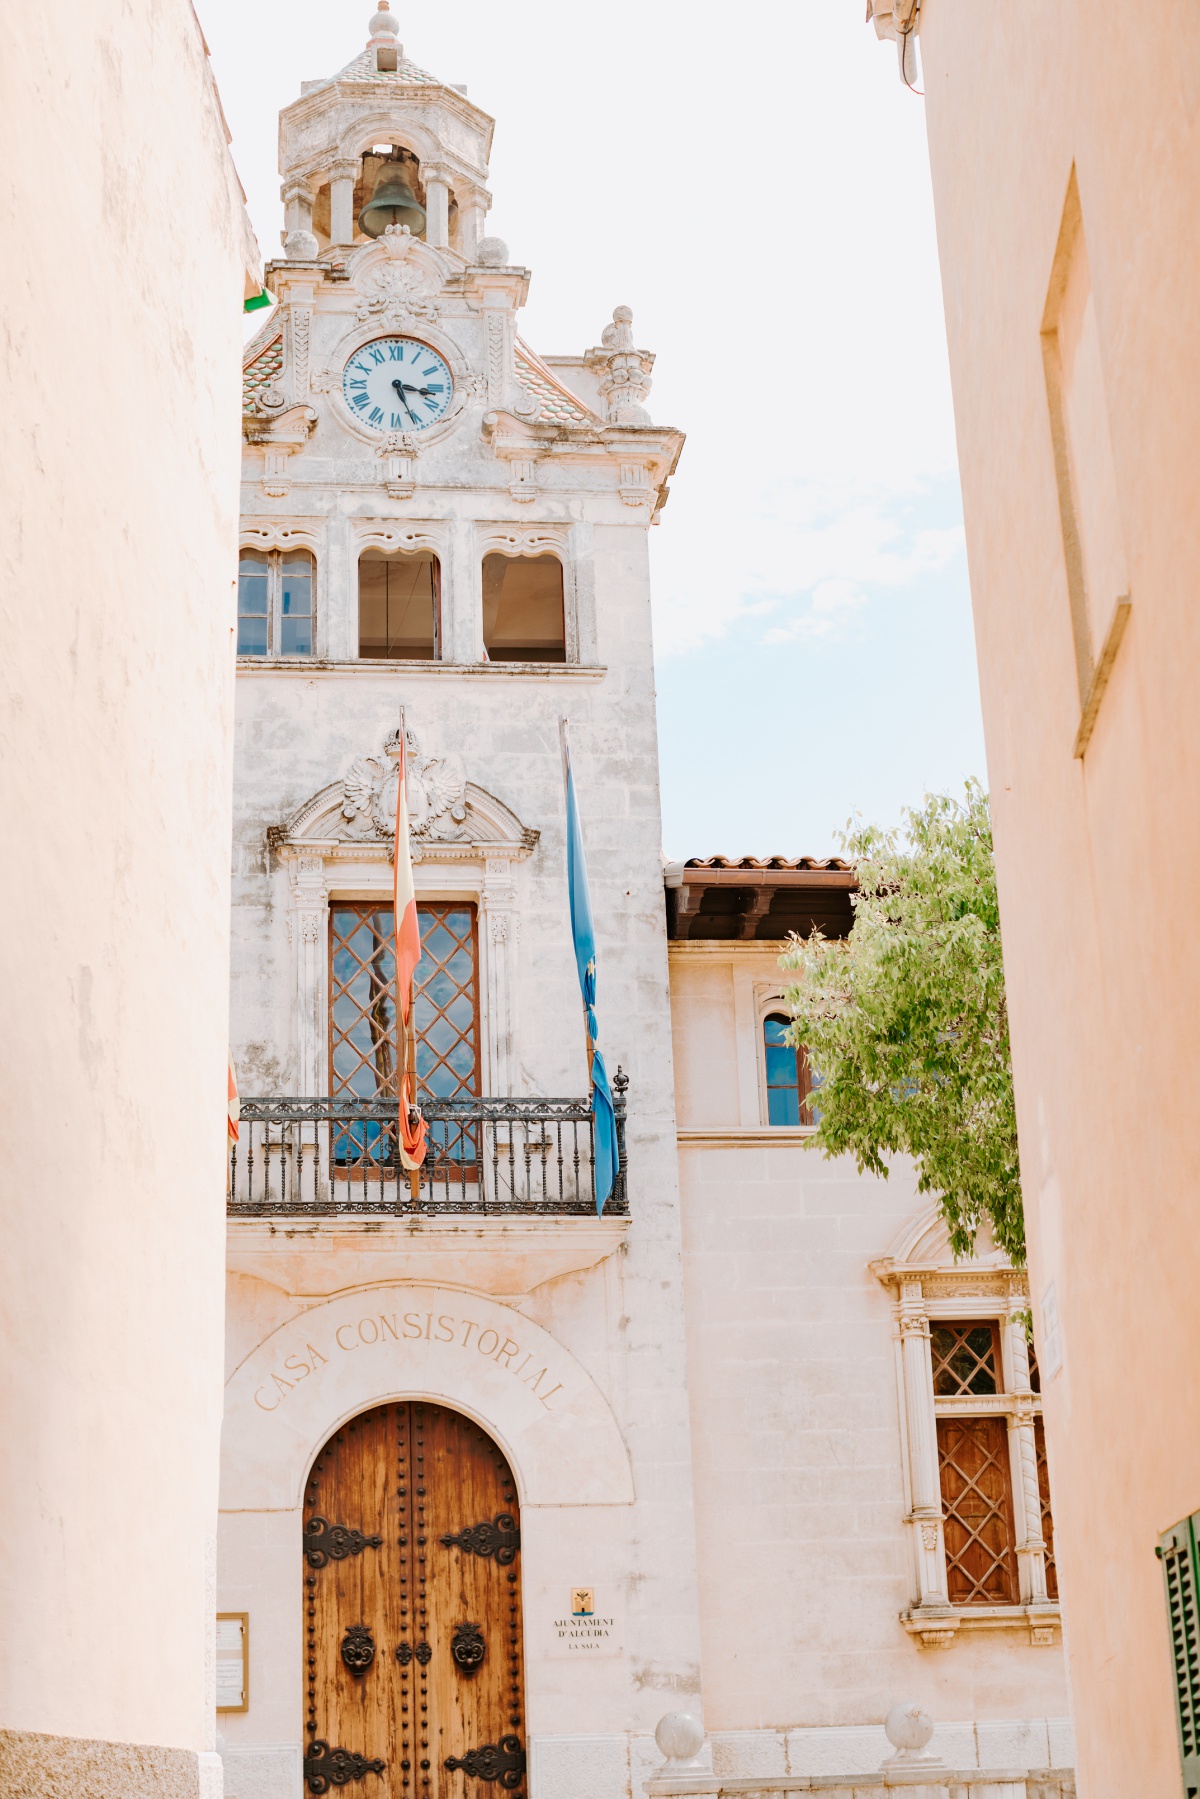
(1181, 1571)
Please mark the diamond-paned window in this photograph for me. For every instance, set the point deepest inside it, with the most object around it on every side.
(976, 1480)
(362, 1021)
(966, 1359)
(1043, 1471)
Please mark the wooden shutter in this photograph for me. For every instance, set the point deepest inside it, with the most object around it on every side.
(1181, 1572)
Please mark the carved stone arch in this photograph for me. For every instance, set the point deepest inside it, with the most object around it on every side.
(397, 535)
(445, 1344)
(398, 123)
(550, 539)
(924, 1242)
(489, 828)
(275, 534)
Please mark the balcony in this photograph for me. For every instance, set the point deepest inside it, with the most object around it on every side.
(506, 1198)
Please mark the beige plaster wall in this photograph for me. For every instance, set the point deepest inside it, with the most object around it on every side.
(1099, 861)
(802, 1548)
(120, 318)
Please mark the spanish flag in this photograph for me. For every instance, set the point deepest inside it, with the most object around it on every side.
(413, 1128)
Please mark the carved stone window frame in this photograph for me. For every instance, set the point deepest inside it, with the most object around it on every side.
(405, 537)
(768, 1000)
(926, 1285)
(531, 540)
(480, 865)
(287, 536)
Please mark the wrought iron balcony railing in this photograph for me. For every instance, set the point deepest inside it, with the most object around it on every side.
(511, 1157)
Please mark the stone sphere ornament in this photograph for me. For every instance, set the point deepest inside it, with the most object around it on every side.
(301, 246)
(492, 252)
(908, 1728)
(680, 1737)
(385, 23)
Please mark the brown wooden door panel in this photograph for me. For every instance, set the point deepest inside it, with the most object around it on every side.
(446, 1680)
(977, 1503)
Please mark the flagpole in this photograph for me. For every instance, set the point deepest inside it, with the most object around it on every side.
(406, 1049)
(564, 739)
(402, 1032)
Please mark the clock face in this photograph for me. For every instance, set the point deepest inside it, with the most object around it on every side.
(397, 384)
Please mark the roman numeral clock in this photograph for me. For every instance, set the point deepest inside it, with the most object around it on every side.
(397, 384)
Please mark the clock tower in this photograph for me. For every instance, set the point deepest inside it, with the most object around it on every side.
(471, 1396)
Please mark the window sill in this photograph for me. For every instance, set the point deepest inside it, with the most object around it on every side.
(315, 667)
(936, 1629)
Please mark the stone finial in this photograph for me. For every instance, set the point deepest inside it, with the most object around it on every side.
(385, 26)
(301, 246)
(680, 1737)
(624, 371)
(619, 335)
(492, 252)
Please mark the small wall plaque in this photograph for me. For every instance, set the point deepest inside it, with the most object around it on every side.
(233, 1661)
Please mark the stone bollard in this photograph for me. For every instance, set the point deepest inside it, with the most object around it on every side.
(680, 1737)
(908, 1728)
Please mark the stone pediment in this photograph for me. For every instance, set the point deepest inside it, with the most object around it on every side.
(448, 815)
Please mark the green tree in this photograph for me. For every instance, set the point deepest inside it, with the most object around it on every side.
(905, 1021)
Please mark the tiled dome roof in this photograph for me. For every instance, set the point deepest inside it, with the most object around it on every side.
(559, 405)
(261, 372)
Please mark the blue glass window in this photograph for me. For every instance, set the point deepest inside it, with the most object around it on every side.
(253, 603)
(275, 603)
(789, 1078)
(296, 606)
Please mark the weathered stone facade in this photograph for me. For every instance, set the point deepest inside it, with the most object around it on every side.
(720, 1364)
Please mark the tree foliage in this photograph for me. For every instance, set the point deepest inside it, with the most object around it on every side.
(905, 1021)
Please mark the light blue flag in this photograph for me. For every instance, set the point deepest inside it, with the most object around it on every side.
(584, 933)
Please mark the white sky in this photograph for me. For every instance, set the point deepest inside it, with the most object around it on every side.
(755, 185)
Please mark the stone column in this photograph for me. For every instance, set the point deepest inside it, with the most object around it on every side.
(342, 178)
(308, 925)
(437, 205)
(472, 211)
(298, 206)
(925, 1517)
(462, 596)
(499, 930)
(1031, 1546)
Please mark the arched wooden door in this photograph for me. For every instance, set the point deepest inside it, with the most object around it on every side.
(413, 1667)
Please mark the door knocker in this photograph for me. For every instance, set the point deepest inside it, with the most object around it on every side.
(468, 1647)
(358, 1649)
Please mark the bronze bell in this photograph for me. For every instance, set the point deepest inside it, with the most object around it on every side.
(392, 203)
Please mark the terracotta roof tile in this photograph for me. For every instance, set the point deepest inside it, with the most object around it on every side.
(261, 372)
(559, 405)
(829, 864)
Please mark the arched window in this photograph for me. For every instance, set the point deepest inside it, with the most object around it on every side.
(275, 603)
(399, 606)
(789, 1078)
(523, 614)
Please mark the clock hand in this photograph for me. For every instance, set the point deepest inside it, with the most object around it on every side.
(400, 387)
(423, 391)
